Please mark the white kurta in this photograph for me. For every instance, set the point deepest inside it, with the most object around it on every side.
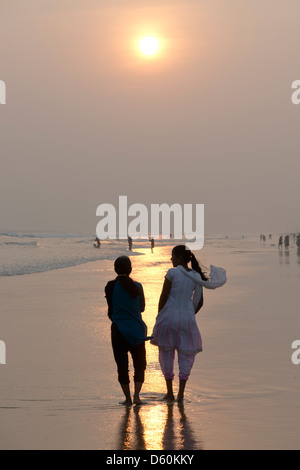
(176, 325)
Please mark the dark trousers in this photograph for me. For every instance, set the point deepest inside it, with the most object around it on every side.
(121, 348)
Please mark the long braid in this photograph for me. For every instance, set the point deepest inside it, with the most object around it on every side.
(196, 267)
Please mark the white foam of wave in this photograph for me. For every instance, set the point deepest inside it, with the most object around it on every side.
(22, 243)
(11, 234)
(29, 256)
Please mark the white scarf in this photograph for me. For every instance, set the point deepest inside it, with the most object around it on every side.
(217, 278)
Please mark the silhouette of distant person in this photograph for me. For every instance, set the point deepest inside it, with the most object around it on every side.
(130, 243)
(280, 242)
(98, 243)
(286, 241)
(152, 244)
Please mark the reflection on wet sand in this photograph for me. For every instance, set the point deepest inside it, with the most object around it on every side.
(286, 256)
(162, 426)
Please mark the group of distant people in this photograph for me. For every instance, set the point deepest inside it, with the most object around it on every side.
(263, 237)
(286, 241)
(151, 240)
(97, 243)
(283, 240)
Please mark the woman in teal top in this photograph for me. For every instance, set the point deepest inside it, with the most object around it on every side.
(126, 302)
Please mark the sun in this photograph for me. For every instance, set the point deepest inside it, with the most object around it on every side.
(149, 45)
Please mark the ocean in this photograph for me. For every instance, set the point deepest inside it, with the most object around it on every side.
(28, 253)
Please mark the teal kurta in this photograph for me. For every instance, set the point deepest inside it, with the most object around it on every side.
(126, 314)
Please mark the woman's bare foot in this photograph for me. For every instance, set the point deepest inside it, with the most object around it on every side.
(126, 403)
(180, 395)
(137, 389)
(169, 397)
(126, 391)
(137, 400)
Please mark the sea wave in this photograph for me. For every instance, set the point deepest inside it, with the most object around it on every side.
(10, 234)
(41, 265)
(22, 243)
(47, 235)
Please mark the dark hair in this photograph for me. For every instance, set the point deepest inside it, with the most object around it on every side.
(123, 268)
(187, 256)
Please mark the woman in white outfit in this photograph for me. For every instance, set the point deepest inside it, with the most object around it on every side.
(176, 327)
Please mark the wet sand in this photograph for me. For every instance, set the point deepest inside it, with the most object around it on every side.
(59, 388)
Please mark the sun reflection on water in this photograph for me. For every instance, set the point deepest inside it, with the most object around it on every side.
(162, 426)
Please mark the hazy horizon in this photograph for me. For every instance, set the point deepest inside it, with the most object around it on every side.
(209, 120)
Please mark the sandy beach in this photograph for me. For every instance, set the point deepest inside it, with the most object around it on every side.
(59, 387)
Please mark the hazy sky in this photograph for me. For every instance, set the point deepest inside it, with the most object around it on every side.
(209, 120)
